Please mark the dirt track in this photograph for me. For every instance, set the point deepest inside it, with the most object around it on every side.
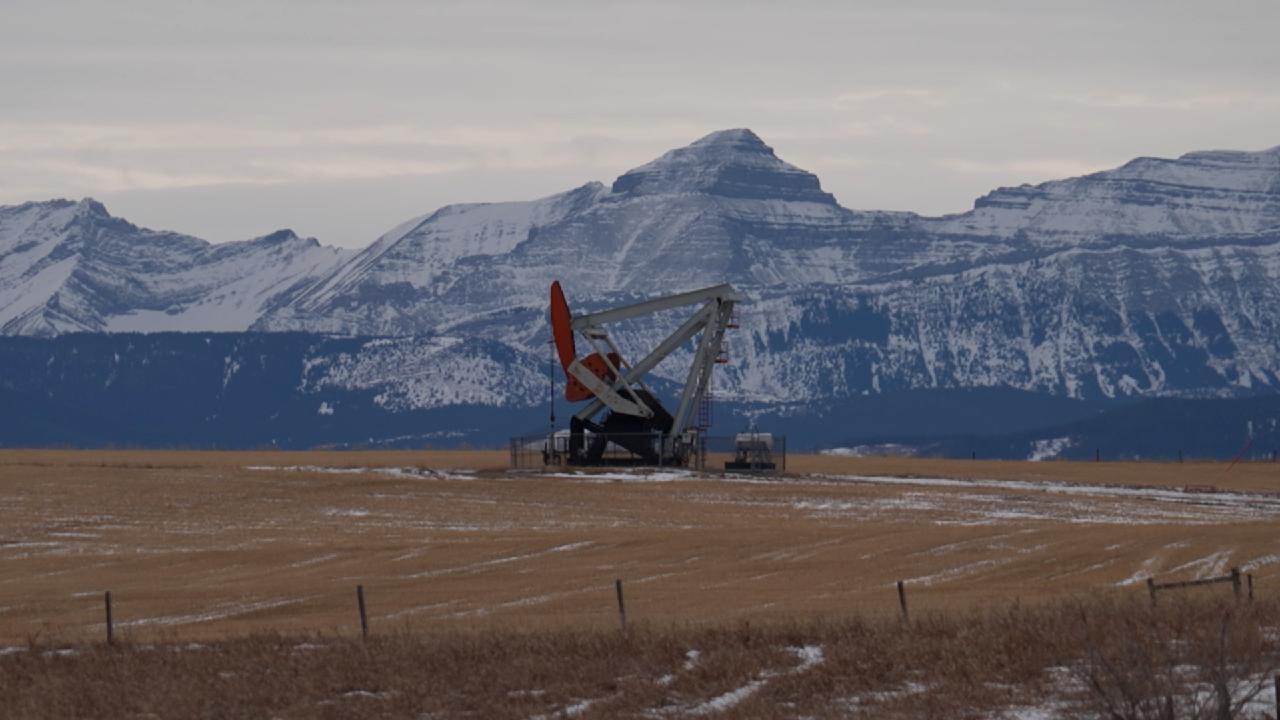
(198, 545)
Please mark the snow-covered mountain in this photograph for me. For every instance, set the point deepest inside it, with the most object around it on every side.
(1201, 194)
(70, 266)
(1161, 277)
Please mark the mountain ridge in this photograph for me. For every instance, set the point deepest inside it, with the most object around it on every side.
(70, 265)
(1160, 277)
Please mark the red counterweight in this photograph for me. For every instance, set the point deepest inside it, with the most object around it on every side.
(562, 327)
(566, 348)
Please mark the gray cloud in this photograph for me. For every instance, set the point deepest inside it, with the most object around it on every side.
(230, 119)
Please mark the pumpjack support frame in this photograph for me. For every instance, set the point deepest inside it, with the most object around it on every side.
(636, 419)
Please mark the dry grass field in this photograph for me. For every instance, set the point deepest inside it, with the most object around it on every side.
(491, 593)
(199, 545)
(1088, 659)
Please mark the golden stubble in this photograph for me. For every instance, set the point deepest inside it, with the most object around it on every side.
(204, 545)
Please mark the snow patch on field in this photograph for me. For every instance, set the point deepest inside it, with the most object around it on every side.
(958, 571)
(810, 656)
(1258, 562)
(1212, 565)
(350, 512)
(1153, 505)
(910, 689)
(636, 476)
(1143, 572)
(486, 564)
(690, 662)
(314, 561)
(414, 472)
(728, 700)
(218, 613)
(370, 695)
(573, 710)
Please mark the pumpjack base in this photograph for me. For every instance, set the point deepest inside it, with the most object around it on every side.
(624, 462)
(625, 440)
(604, 449)
(731, 465)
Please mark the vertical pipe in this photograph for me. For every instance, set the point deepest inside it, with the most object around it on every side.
(551, 375)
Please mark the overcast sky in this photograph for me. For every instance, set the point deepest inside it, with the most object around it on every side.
(230, 119)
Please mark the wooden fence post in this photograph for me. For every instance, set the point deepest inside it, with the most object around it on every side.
(1179, 455)
(364, 620)
(1097, 454)
(902, 601)
(1250, 577)
(622, 606)
(110, 634)
(1235, 582)
(1151, 588)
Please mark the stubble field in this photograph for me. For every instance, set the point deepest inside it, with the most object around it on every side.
(198, 546)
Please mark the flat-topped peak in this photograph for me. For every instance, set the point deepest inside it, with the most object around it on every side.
(730, 163)
(1233, 154)
(737, 138)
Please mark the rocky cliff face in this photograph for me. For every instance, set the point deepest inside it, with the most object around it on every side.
(1161, 277)
(71, 267)
(1199, 195)
(1158, 277)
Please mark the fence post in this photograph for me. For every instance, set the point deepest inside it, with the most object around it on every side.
(1250, 576)
(1097, 454)
(1179, 456)
(1235, 582)
(622, 606)
(110, 634)
(1277, 689)
(1151, 588)
(902, 601)
(364, 621)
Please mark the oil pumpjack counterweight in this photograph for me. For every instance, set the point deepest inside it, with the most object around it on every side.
(635, 418)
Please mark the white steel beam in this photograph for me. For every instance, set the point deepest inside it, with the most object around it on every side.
(682, 334)
(648, 307)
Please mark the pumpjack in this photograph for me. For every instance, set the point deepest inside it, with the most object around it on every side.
(634, 418)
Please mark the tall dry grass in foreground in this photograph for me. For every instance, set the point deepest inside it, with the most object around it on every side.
(1192, 657)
